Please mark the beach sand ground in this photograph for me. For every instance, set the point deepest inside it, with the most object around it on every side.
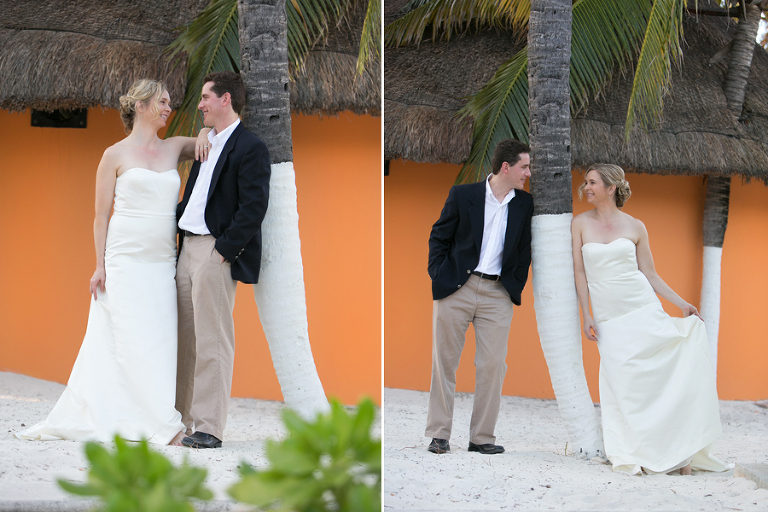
(29, 469)
(537, 473)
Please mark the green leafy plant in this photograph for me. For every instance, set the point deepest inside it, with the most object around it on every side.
(329, 464)
(135, 478)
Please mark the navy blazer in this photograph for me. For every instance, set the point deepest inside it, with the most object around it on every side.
(237, 202)
(456, 238)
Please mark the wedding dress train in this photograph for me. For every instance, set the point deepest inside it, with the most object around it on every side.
(124, 379)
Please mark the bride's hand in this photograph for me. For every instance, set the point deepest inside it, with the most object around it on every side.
(202, 145)
(98, 282)
(589, 328)
(689, 310)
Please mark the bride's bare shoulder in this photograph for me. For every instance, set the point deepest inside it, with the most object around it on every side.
(636, 223)
(581, 218)
(115, 155)
(118, 148)
(638, 227)
(579, 224)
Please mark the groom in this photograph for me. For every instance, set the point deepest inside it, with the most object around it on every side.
(479, 254)
(219, 219)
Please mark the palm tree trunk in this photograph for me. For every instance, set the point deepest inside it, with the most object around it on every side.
(735, 85)
(280, 293)
(715, 222)
(555, 301)
(719, 187)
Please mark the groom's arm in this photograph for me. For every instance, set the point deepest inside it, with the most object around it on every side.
(524, 249)
(253, 197)
(442, 235)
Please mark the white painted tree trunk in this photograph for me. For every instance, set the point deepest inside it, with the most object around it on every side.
(281, 299)
(557, 316)
(710, 298)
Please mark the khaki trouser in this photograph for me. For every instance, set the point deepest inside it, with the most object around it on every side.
(487, 305)
(206, 298)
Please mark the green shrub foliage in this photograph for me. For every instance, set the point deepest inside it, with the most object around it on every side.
(330, 464)
(135, 478)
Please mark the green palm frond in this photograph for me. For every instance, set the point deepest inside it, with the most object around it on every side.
(211, 44)
(370, 40)
(410, 6)
(660, 47)
(604, 40)
(308, 21)
(445, 17)
(603, 37)
(500, 111)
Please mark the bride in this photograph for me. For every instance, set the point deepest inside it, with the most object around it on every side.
(124, 379)
(658, 396)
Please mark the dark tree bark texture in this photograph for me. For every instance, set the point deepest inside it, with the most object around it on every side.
(549, 54)
(716, 210)
(735, 87)
(264, 55)
(741, 57)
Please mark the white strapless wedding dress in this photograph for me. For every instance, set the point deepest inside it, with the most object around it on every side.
(658, 396)
(124, 379)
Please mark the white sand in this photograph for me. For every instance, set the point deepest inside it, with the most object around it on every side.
(536, 474)
(29, 469)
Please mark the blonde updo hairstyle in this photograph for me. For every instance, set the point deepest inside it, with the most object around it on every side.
(611, 174)
(142, 91)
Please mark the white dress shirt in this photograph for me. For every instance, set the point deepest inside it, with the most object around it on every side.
(494, 231)
(193, 218)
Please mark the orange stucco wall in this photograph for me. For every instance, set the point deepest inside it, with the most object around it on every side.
(46, 208)
(671, 208)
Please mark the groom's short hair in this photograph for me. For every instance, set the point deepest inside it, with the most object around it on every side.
(231, 82)
(508, 150)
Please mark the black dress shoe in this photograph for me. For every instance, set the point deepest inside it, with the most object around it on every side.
(439, 446)
(201, 440)
(487, 449)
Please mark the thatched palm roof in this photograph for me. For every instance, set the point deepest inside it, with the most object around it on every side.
(75, 54)
(697, 134)
(425, 86)
(86, 53)
(327, 84)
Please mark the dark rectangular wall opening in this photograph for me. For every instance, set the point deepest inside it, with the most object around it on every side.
(77, 118)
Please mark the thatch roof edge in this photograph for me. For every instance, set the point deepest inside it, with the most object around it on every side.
(36, 74)
(411, 132)
(45, 68)
(651, 152)
(328, 84)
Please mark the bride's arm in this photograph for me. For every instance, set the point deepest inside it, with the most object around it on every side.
(106, 177)
(646, 266)
(190, 148)
(582, 290)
